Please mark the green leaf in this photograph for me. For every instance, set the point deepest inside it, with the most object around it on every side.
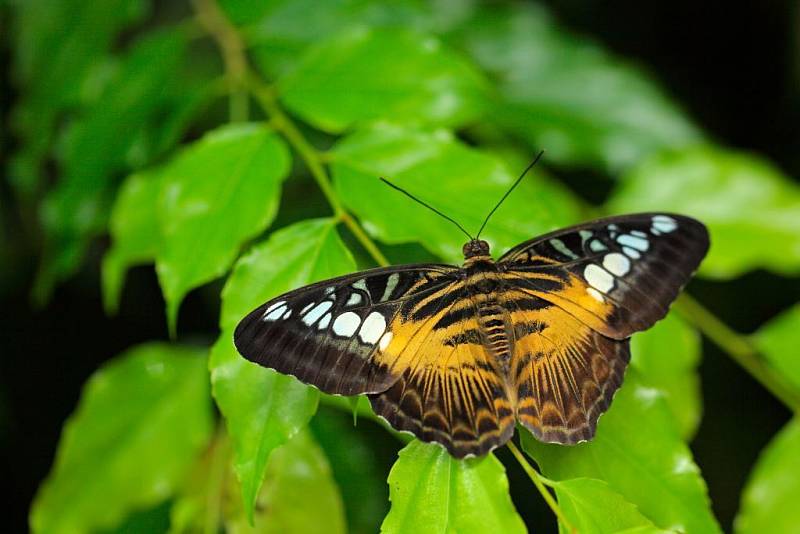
(432, 492)
(778, 341)
(639, 453)
(592, 507)
(298, 479)
(263, 409)
(58, 45)
(461, 181)
(141, 421)
(769, 501)
(667, 357)
(364, 75)
(93, 153)
(751, 209)
(135, 232)
(221, 191)
(567, 94)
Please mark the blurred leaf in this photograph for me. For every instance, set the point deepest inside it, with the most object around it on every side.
(58, 43)
(432, 492)
(197, 507)
(221, 191)
(94, 151)
(567, 95)
(364, 75)
(750, 208)
(141, 421)
(463, 182)
(778, 341)
(769, 501)
(298, 480)
(280, 31)
(135, 232)
(667, 357)
(356, 469)
(263, 408)
(592, 507)
(638, 452)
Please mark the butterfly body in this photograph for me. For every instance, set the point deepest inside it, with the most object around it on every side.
(458, 355)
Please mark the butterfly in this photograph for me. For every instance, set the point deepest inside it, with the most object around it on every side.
(458, 355)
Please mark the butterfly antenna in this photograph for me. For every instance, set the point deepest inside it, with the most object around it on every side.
(412, 197)
(510, 189)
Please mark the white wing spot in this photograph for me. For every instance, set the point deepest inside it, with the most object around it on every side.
(385, 340)
(664, 223)
(372, 328)
(391, 283)
(287, 315)
(597, 246)
(638, 233)
(323, 323)
(274, 305)
(276, 312)
(317, 312)
(598, 278)
(346, 324)
(585, 235)
(562, 248)
(306, 308)
(362, 285)
(632, 253)
(632, 241)
(355, 298)
(595, 294)
(617, 264)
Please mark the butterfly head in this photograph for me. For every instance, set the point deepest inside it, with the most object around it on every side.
(475, 248)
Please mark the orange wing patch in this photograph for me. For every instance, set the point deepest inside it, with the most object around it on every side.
(450, 390)
(563, 372)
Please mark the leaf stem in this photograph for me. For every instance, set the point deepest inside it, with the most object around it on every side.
(539, 481)
(739, 348)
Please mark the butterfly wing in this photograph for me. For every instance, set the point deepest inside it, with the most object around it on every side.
(587, 289)
(450, 390)
(333, 334)
(616, 275)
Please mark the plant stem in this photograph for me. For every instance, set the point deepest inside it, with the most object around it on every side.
(232, 47)
(739, 348)
(538, 481)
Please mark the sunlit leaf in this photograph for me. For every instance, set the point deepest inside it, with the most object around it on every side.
(461, 181)
(432, 492)
(220, 192)
(135, 232)
(365, 75)
(639, 453)
(567, 95)
(107, 464)
(299, 494)
(779, 340)
(751, 209)
(592, 507)
(93, 153)
(667, 356)
(263, 409)
(769, 501)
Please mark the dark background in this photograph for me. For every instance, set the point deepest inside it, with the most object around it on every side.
(733, 67)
